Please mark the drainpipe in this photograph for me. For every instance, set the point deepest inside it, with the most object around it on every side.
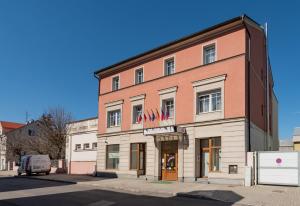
(248, 79)
(267, 86)
(98, 146)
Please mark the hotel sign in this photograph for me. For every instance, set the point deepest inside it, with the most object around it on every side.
(164, 130)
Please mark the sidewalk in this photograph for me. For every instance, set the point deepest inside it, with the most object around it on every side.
(237, 195)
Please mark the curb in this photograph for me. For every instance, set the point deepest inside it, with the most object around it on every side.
(46, 179)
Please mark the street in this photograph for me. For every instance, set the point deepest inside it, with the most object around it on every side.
(23, 192)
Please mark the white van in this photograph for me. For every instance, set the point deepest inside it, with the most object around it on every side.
(34, 164)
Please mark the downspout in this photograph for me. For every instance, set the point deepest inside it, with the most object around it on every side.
(98, 93)
(248, 79)
(267, 87)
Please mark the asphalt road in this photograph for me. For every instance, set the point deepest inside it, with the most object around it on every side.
(31, 192)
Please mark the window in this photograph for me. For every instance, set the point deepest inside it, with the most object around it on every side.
(168, 106)
(169, 66)
(209, 54)
(112, 156)
(209, 102)
(115, 83)
(86, 146)
(78, 147)
(134, 156)
(215, 154)
(114, 118)
(94, 146)
(233, 169)
(137, 114)
(137, 156)
(139, 76)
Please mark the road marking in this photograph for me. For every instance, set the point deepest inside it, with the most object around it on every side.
(101, 203)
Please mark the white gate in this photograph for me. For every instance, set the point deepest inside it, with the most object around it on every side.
(278, 168)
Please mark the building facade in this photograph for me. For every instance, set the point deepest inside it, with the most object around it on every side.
(191, 109)
(81, 146)
(296, 139)
(5, 127)
(286, 145)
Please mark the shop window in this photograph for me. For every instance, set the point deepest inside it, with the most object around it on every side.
(215, 154)
(112, 156)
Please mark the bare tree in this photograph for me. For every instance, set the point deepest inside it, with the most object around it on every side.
(54, 132)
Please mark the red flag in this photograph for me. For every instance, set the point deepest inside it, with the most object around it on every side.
(162, 114)
(157, 114)
(145, 117)
(149, 116)
(140, 118)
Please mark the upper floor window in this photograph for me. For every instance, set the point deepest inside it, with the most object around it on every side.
(115, 83)
(169, 66)
(209, 102)
(77, 146)
(209, 54)
(139, 76)
(114, 118)
(168, 107)
(94, 145)
(137, 114)
(86, 146)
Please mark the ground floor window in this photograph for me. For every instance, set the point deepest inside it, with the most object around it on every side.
(137, 156)
(112, 156)
(215, 154)
(210, 155)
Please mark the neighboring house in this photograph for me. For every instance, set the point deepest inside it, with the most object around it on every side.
(24, 140)
(286, 145)
(210, 99)
(296, 139)
(82, 137)
(5, 127)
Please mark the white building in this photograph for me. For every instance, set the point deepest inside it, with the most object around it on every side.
(81, 156)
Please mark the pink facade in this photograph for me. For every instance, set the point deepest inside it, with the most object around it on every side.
(212, 143)
(84, 167)
(189, 68)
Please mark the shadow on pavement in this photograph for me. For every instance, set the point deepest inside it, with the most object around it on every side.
(107, 198)
(13, 184)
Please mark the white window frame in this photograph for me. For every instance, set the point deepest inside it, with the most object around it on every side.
(112, 82)
(165, 94)
(84, 146)
(93, 147)
(137, 100)
(205, 86)
(77, 149)
(164, 66)
(135, 75)
(116, 115)
(113, 106)
(210, 104)
(207, 44)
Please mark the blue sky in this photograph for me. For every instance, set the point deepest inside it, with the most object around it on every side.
(50, 49)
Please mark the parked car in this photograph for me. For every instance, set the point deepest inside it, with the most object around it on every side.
(34, 164)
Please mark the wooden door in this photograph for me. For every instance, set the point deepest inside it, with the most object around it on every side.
(169, 160)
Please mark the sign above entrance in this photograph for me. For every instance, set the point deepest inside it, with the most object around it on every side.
(164, 130)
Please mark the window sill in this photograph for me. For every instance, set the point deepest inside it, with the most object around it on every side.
(207, 116)
(113, 129)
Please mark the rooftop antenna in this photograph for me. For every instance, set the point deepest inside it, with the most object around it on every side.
(26, 116)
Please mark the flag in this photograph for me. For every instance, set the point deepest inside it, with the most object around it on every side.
(157, 115)
(140, 118)
(153, 115)
(162, 117)
(149, 116)
(167, 114)
(145, 117)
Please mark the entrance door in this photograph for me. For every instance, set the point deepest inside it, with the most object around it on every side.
(204, 149)
(169, 160)
(204, 163)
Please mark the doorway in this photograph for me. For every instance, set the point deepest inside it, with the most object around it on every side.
(204, 153)
(169, 160)
(138, 158)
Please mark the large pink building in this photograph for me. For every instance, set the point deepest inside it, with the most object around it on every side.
(191, 109)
